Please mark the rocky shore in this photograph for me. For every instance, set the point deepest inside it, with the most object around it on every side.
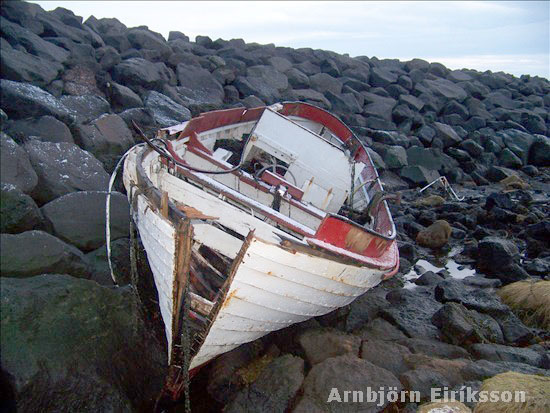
(72, 342)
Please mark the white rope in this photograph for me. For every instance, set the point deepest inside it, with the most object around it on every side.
(108, 212)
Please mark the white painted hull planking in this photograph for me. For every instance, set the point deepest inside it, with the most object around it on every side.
(272, 266)
(272, 287)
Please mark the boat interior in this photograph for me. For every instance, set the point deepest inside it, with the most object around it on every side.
(286, 169)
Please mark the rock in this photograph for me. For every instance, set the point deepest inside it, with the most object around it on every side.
(472, 297)
(81, 80)
(493, 250)
(395, 157)
(381, 77)
(434, 348)
(483, 369)
(18, 211)
(429, 158)
(513, 330)
(63, 168)
(431, 201)
(323, 82)
(120, 259)
(23, 67)
(36, 252)
(312, 96)
(498, 352)
(539, 152)
(460, 326)
(423, 380)
(141, 38)
(411, 311)
(197, 86)
(385, 354)
(343, 372)
(498, 173)
(379, 106)
(444, 407)
(273, 390)
(46, 128)
(15, 166)
(446, 89)
(435, 236)
(138, 72)
(165, 111)
(320, 344)
(107, 138)
(79, 218)
(344, 103)
(86, 108)
(380, 329)
(499, 199)
(21, 100)
(447, 134)
(43, 361)
(428, 278)
(365, 308)
(122, 97)
(297, 79)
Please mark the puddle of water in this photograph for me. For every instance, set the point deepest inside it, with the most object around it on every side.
(455, 270)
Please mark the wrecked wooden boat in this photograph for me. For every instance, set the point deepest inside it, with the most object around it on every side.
(253, 220)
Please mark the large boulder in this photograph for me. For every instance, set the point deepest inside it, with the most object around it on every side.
(197, 86)
(265, 82)
(165, 111)
(86, 107)
(63, 168)
(395, 157)
(79, 218)
(138, 72)
(141, 38)
(15, 166)
(379, 106)
(24, 67)
(107, 137)
(65, 347)
(273, 390)
(446, 89)
(18, 211)
(447, 134)
(323, 82)
(418, 175)
(46, 128)
(36, 252)
(539, 152)
(122, 97)
(21, 100)
(326, 382)
(320, 344)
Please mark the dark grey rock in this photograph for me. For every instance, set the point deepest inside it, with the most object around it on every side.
(122, 97)
(418, 175)
(446, 89)
(343, 372)
(273, 390)
(321, 344)
(79, 218)
(539, 152)
(423, 380)
(86, 108)
(46, 128)
(15, 166)
(197, 86)
(386, 354)
(23, 67)
(107, 138)
(323, 82)
(140, 72)
(381, 77)
(395, 157)
(484, 369)
(165, 111)
(414, 323)
(35, 252)
(365, 308)
(18, 211)
(63, 168)
(460, 326)
(21, 100)
(434, 348)
(141, 38)
(312, 96)
(498, 352)
(447, 134)
(44, 360)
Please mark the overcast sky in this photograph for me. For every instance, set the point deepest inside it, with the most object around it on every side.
(508, 36)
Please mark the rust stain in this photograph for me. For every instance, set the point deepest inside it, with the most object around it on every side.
(357, 240)
(270, 273)
(229, 297)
